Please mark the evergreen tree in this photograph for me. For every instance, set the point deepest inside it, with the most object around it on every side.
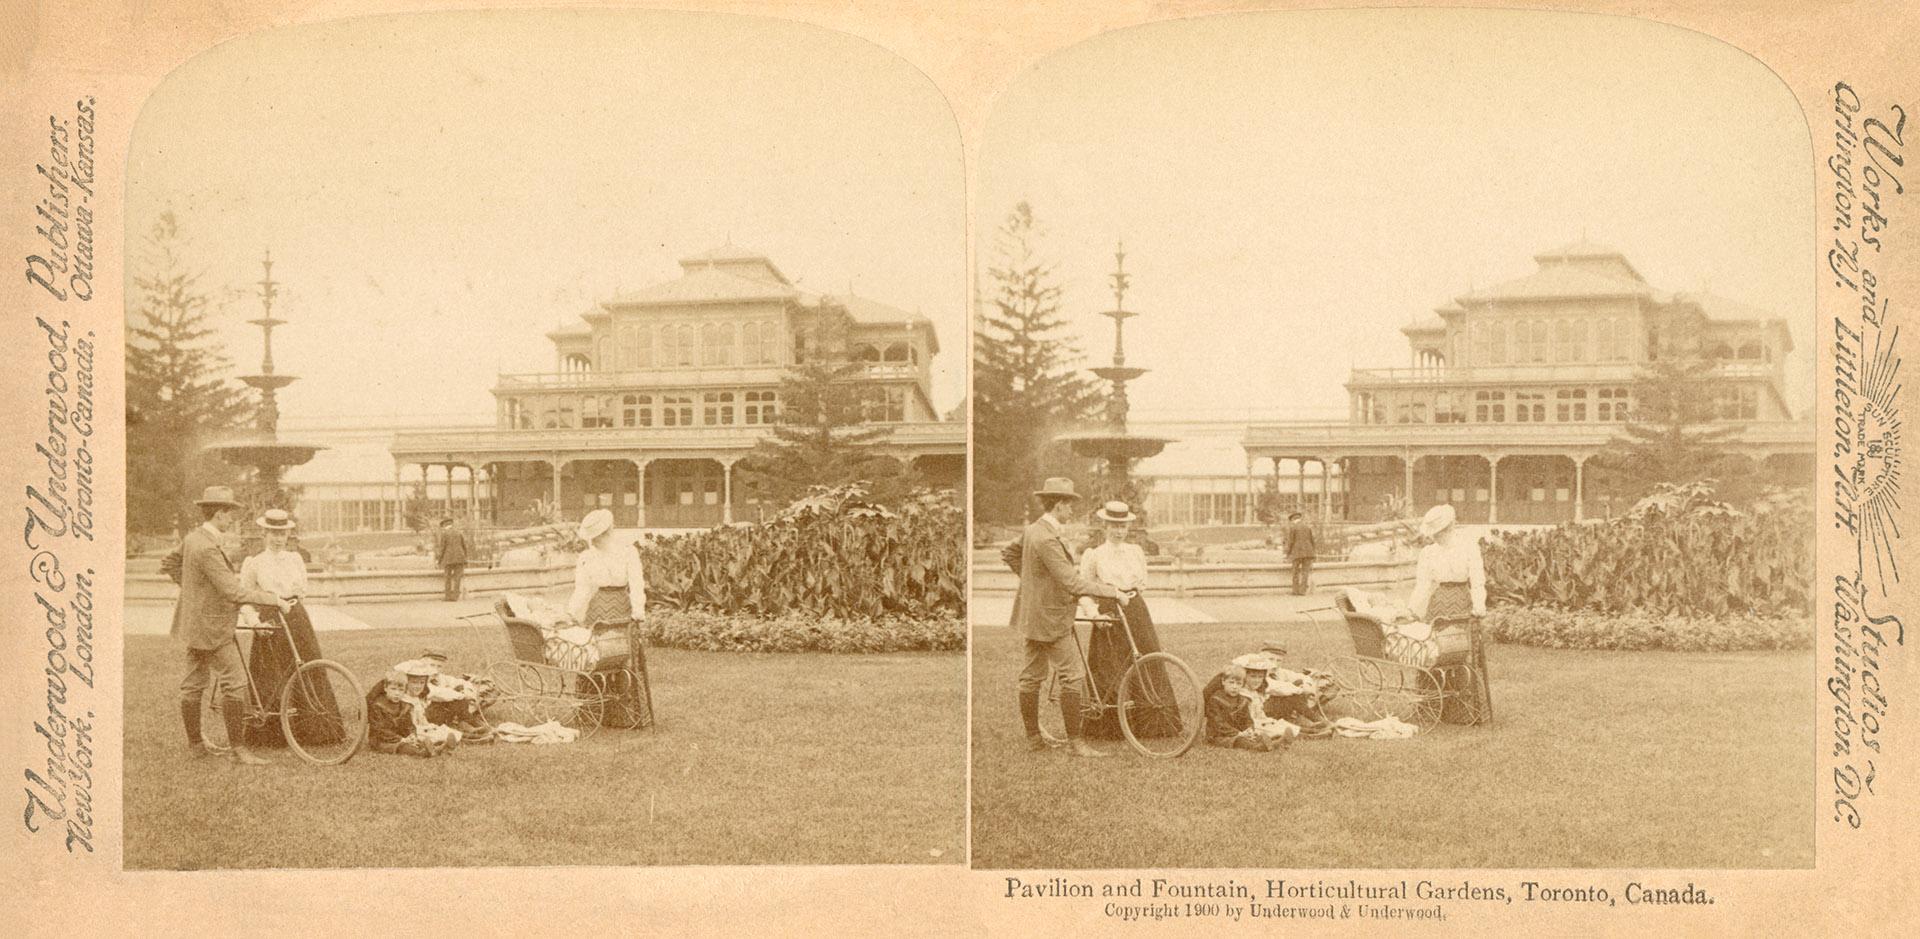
(823, 437)
(1025, 388)
(1671, 435)
(178, 396)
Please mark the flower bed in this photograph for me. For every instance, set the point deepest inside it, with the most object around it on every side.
(1634, 630)
(797, 631)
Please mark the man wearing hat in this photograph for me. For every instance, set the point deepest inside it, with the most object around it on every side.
(1050, 587)
(450, 552)
(1300, 552)
(204, 617)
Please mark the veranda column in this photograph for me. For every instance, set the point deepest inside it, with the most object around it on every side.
(1276, 487)
(1406, 485)
(1249, 515)
(639, 491)
(1326, 492)
(726, 491)
(1300, 484)
(556, 463)
(398, 522)
(1579, 487)
(1493, 490)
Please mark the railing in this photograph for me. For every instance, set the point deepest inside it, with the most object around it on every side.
(1537, 372)
(682, 376)
(447, 446)
(1592, 434)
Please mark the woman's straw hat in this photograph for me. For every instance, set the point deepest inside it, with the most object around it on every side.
(597, 523)
(275, 520)
(1438, 519)
(1115, 511)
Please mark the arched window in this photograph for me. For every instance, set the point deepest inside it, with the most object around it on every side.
(717, 408)
(761, 408)
(896, 352)
(770, 343)
(636, 411)
(676, 410)
(716, 344)
(1570, 340)
(1751, 349)
(636, 346)
(867, 354)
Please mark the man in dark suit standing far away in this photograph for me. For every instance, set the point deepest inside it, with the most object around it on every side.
(204, 617)
(1300, 552)
(450, 551)
(1050, 586)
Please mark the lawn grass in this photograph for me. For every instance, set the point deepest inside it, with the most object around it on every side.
(756, 759)
(1598, 759)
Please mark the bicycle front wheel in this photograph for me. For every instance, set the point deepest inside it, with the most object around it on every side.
(1161, 711)
(323, 712)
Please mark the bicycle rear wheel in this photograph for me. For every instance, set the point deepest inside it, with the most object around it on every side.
(323, 713)
(1161, 711)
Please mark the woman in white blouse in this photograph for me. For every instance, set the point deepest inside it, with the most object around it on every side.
(1450, 591)
(1121, 564)
(610, 598)
(609, 587)
(1449, 579)
(278, 570)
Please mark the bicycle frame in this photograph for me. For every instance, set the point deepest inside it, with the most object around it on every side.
(256, 707)
(1092, 700)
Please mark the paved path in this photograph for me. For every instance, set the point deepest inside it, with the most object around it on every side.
(997, 610)
(156, 619)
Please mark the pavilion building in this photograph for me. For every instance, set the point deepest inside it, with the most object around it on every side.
(1514, 388)
(657, 395)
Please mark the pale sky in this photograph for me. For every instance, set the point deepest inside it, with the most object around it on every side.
(1294, 187)
(439, 191)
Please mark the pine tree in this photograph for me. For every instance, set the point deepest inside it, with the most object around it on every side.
(823, 437)
(1671, 435)
(178, 397)
(1025, 388)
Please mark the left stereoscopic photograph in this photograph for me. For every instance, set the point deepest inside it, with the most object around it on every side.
(545, 446)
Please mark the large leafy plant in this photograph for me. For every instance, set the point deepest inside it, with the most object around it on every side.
(831, 552)
(1677, 552)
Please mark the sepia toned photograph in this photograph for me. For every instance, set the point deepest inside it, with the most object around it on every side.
(545, 447)
(1394, 448)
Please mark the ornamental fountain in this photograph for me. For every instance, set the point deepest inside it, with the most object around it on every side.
(1113, 444)
(261, 449)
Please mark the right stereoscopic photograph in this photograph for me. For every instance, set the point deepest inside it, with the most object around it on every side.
(1392, 447)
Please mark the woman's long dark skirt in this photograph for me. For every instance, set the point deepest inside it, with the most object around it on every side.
(1109, 656)
(271, 664)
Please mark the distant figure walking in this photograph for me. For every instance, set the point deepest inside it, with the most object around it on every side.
(450, 552)
(1300, 552)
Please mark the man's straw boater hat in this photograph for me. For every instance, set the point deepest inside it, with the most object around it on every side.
(217, 495)
(1059, 487)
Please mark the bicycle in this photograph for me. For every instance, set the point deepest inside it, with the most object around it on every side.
(1160, 711)
(322, 711)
